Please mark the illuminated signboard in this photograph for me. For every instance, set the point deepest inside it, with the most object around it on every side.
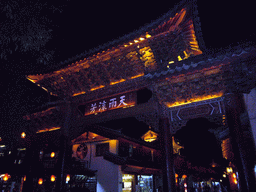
(107, 104)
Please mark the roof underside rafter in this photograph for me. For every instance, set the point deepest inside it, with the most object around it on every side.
(169, 40)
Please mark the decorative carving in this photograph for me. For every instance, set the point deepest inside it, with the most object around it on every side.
(197, 109)
(189, 88)
(241, 76)
(178, 116)
(151, 119)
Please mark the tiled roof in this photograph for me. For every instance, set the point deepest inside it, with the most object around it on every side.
(202, 61)
(174, 36)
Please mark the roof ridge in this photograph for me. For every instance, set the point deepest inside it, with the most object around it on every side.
(127, 37)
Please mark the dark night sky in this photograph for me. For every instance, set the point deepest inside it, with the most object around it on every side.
(87, 25)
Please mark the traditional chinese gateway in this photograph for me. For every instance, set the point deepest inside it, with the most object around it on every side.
(150, 111)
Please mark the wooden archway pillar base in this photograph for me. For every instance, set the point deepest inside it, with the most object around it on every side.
(242, 141)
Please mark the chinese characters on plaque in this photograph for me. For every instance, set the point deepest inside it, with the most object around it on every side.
(120, 101)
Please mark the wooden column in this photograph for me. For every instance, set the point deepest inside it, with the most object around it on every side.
(242, 142)
(64, 148)
(168, 157)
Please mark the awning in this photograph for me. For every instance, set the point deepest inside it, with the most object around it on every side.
(140, 170)
(131, 166)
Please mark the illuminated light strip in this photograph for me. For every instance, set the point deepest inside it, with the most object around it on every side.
(93, 89)
(46, 130)
(115, 82)
(137, 76)
(44, 89)
(81, 93)
(193, 100)
(32, 80)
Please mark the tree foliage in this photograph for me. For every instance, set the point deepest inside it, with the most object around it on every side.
(26, 33)
(26, 29)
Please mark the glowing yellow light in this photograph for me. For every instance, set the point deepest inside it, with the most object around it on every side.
(137, 76)
(141, 38)
(235, 181)
(24, 178)
(52, 178)
(81, 93)
(148, 36)
(224, 175)
(176, 147)
(229, 170)
(186, 55)
(179, 58)
(136, 41)
(130, 43)
(150, 136)
(193, 100)
(170, 62)
(101, 86)
(44, 89)
(125, 45)
(40, 181)
(32, 80)
(50, 129)
(115, 82)
(184, 176)
(234, 175)
(52, 154)
(68, 178)
(176, 175)
(6, 177)
(23, 135)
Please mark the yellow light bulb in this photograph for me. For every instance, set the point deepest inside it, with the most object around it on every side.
(52, 178)
(148, 36)
(52, 154)
(68, 178)
(5, 177)
(23, 135)
(40, 181)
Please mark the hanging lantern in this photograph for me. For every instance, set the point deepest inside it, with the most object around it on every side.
(176, 177)
(40, 181)
(68, 178)
(229, 170)
(23, 135)
(150, 136)
(6, 177)
(52, 178)
(52, 154)
(24, 178)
